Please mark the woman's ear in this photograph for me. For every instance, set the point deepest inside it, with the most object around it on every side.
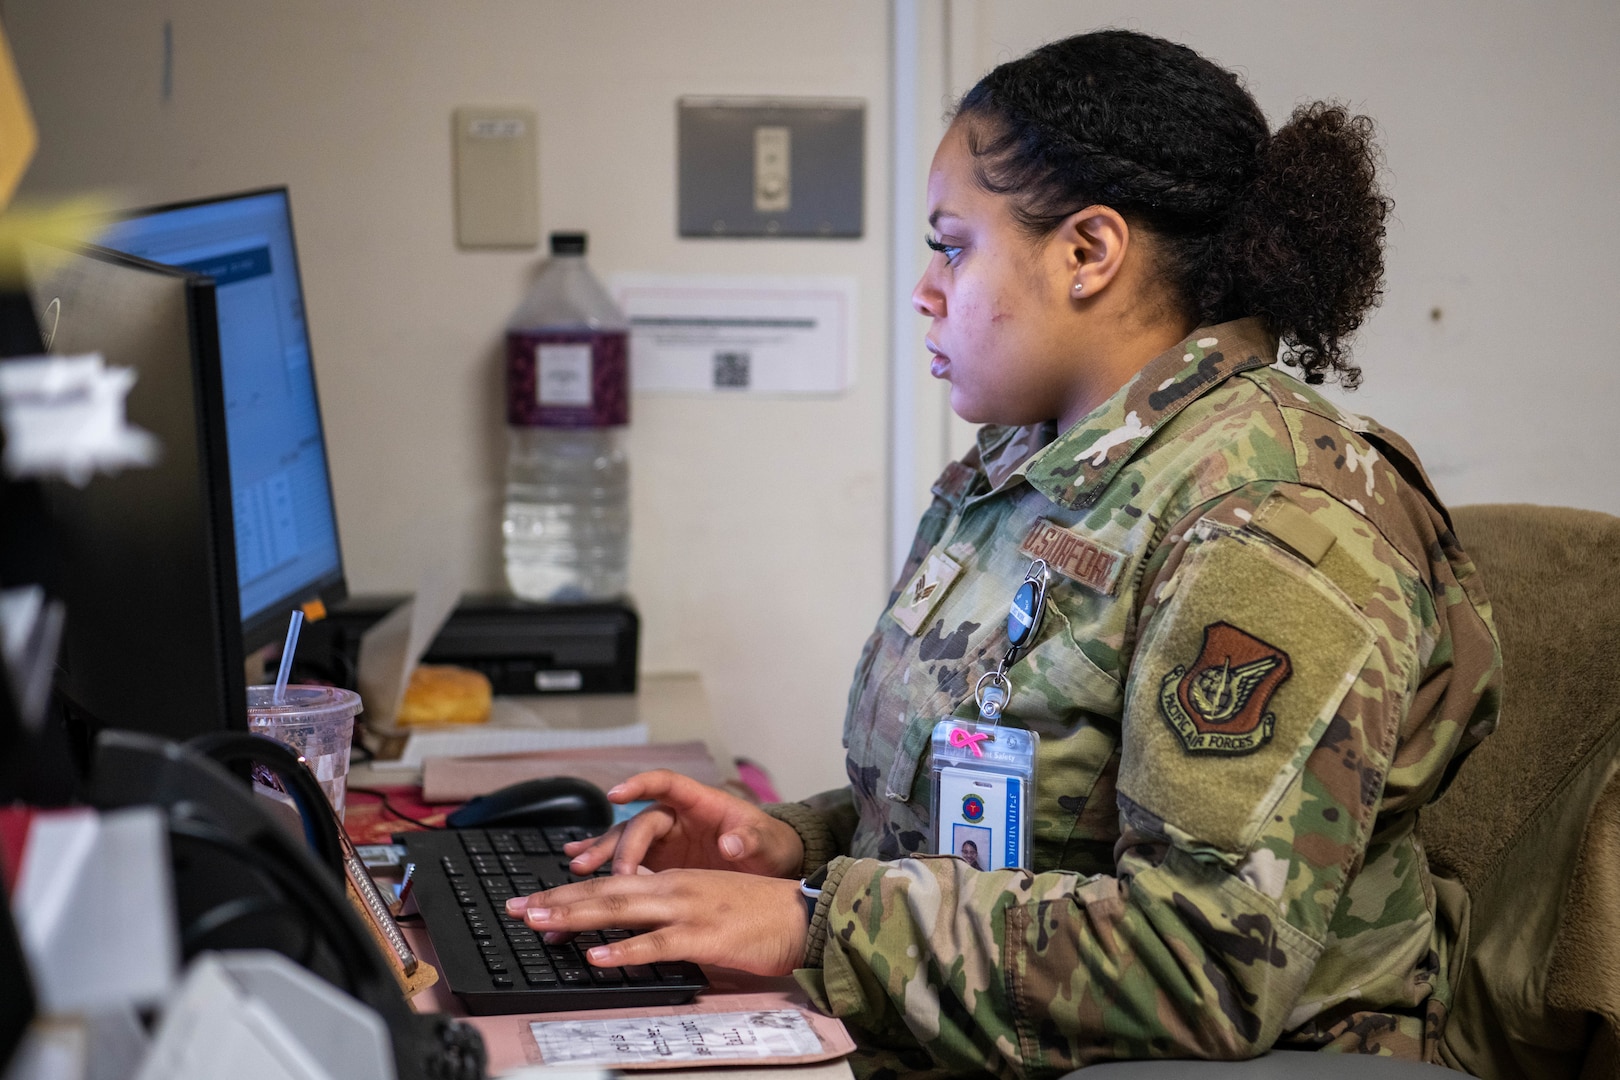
(1095, 241)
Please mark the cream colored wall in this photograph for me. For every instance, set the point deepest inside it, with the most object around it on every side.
(759, 554)
(1502, 139)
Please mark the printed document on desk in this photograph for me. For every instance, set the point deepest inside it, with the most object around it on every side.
(670, 1041)
(747, 1013)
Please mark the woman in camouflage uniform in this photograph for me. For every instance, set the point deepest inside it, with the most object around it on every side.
(1262, 648)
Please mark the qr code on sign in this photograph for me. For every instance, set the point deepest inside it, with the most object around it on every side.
(731, 370)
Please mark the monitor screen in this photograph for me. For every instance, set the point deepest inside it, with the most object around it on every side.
(281, 494)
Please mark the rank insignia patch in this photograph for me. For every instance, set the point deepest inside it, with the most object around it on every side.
(924, 591)
(1218, 705)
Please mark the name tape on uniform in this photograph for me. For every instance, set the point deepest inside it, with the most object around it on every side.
(1074, 556)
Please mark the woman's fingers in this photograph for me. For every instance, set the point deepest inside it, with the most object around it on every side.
(640, 833)
(743, 842)
(689, 825)
(628, 902)
(653, 947)
(587, 855)
(741, 921)
(626, 843)
(667, 787)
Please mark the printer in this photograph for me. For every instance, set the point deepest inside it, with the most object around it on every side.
(523, 647)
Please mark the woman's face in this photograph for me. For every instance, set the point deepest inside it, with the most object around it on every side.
(1004, 330)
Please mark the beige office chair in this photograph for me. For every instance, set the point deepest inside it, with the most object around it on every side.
(1525, 845)
(1529, 832)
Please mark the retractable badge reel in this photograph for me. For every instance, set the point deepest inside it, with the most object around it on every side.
(983, 773)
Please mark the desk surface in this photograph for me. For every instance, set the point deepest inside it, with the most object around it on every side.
(674, 708)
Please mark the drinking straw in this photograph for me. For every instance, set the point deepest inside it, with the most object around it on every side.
(287, 651)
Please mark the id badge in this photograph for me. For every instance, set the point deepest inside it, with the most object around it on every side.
(983, 779)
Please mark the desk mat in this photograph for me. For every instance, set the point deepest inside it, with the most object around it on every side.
(374, 813)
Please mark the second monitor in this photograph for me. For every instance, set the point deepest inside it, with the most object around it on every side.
(287, 548)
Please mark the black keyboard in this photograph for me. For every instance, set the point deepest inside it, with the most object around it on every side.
(495, 963)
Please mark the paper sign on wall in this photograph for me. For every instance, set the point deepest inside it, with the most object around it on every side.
(739, 335)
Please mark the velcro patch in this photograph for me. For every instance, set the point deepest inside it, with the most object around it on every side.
(1285, 520)
(1253, 646)
(924, 591)
(1073, 556)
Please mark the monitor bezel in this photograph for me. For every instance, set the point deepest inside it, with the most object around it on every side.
(84, 702)
(270, 625)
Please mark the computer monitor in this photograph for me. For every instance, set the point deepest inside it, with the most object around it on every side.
(287, 548)
(147, 564)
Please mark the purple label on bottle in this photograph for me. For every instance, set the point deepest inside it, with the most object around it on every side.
(568, 378)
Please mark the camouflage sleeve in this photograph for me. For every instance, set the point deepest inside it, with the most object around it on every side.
(825, 824)
(1262, 704)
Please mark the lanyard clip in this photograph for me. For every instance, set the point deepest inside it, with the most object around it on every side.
(1028, 606)
(1023, 623)
(991, 694)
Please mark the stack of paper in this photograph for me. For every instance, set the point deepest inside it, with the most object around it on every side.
(452, 780)
(461, 742)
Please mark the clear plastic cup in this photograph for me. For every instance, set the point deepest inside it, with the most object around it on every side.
(317, 722)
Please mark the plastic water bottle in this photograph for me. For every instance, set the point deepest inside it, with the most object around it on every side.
(567, 521)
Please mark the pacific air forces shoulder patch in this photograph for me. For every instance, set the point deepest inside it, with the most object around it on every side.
(1218, 704)
(1236, 677)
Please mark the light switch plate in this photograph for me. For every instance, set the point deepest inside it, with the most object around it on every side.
(771, 166)
(773, 169)
(497, 197)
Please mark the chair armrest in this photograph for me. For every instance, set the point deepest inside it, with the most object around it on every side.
(1277, 1065)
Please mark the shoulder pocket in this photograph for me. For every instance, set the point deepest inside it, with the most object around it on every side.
(1233, 684)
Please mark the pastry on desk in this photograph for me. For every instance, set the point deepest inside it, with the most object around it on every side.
(442, 694)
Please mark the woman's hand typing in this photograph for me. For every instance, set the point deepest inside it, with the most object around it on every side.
(741, 921)
(691, 826)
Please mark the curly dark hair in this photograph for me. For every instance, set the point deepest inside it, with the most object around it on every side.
(1287, 227)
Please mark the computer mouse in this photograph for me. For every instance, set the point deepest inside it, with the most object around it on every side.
(551, 801)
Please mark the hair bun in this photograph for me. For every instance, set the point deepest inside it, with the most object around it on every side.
(1303, 244)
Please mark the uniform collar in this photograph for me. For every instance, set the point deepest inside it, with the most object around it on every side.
(1006, 452)
(1075, 467)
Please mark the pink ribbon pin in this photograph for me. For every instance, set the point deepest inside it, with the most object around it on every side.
(969, 739)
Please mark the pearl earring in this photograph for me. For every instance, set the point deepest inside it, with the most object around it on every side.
(1079, 288)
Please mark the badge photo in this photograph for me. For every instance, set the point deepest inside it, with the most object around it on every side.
(985, 814)
(972, 844)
